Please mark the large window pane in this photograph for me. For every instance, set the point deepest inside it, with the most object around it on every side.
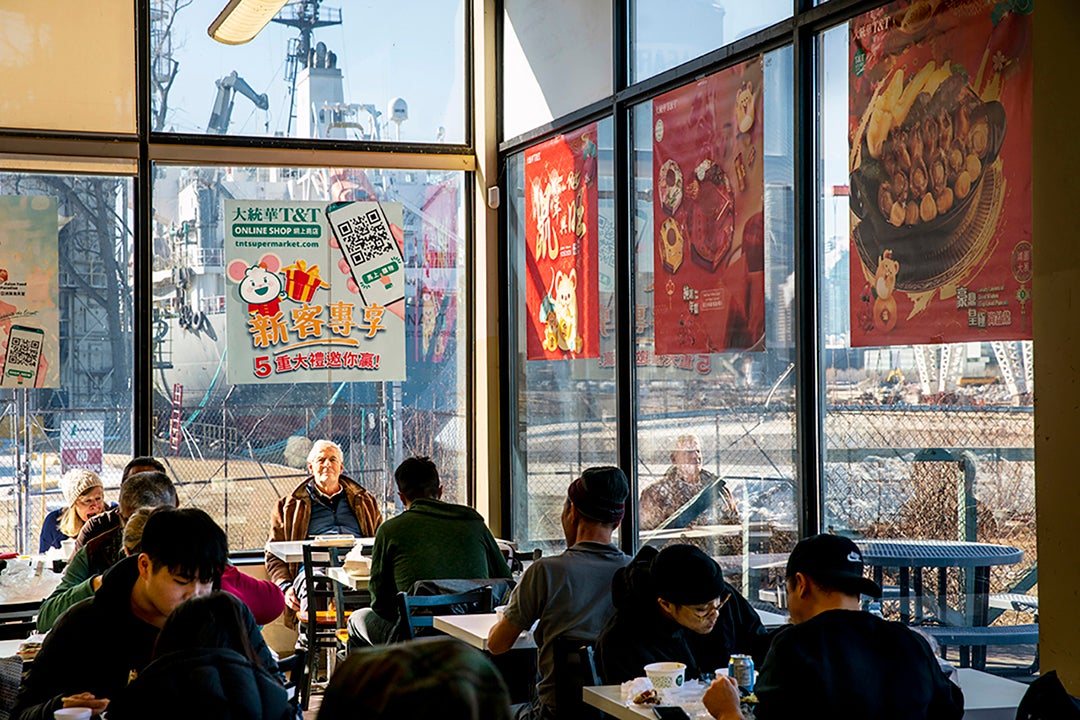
(49, 83)
(721, 421)
(564, 408)
(666, 34)
(95, 352)
(364, 71)
(922, 441)
(240, 447)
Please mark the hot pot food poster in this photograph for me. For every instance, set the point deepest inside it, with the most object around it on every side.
(940, 171)
(708, 221)
(561, 254)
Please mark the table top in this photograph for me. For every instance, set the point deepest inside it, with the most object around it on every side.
(986, 697)
(292, 551)
(937, 553)
(353, 582)
(474, 629)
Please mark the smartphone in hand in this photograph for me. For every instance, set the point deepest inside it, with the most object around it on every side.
(368, 246)
(22, 356)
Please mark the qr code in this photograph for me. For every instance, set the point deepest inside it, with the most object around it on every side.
(365, 237)
(23, 351)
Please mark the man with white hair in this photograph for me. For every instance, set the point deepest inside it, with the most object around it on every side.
(667, 502)
(325, 503)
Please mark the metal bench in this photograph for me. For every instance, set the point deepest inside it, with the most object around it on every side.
(1015, 601)
(968, 637)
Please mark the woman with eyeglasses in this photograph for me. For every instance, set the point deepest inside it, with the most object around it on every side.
(674, 605)
(85, 498)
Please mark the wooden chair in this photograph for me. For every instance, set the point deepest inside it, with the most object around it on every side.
(410, 620)
(323, 622)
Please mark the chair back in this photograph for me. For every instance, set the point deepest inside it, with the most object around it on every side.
(575, 668)
(17, 619)
(416, 611)
(500, 591)
(295, 666)
(323, 623)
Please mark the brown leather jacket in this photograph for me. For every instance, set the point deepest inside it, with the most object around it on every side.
(293, 512)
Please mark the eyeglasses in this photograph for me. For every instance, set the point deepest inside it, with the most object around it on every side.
(90, 501)
(704, 611)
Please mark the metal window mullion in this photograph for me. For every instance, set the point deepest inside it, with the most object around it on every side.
(142, 384)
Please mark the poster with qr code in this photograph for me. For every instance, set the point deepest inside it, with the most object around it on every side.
(29, 312)
(293, 312)
(367, 244)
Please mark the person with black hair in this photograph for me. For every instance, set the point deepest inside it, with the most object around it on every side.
(205, 665)
(429, 677)
(183, 554)
(837, 660)
(569, 595)
(431, 540)
(674, 605)
(113, 517)
(82, 576)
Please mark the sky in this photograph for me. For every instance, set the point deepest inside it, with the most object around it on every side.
(413, 50)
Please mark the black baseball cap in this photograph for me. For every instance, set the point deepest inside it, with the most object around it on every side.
(834, 561)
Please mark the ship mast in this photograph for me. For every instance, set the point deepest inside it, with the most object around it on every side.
(305, 16)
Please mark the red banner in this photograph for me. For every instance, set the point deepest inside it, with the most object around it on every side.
(940, 128)
(561, 254)
(436, 286)
(708, 221)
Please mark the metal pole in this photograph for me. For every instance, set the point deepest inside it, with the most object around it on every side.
(23, 511)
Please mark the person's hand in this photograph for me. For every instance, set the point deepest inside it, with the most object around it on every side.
(86, 700)
(95, 583)
(291, 600)
(722, 699)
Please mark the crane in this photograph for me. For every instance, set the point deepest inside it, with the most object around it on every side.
(227, 86)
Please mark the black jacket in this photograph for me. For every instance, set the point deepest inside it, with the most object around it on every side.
(202, 683)
(851, 664)
(97, 646)
(639, 633)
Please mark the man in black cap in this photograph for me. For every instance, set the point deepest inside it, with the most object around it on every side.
(675, 606)
(837, 661)
(569, 595)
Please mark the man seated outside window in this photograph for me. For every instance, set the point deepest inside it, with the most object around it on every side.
(836, 660)
(568, 595)
(684, 480)
(325, 503)
(431, 540)
(675, 606)
(183, 554)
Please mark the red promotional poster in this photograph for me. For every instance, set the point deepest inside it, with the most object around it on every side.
(708, 220)
(940, 166)
(436, 287)
(561, 254)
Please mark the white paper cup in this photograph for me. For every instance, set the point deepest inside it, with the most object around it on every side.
(77, 713)
(666, 674)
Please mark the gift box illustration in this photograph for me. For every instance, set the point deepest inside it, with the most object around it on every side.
(302, 281)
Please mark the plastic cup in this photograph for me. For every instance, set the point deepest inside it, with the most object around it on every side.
(75, 713)
(666, 675)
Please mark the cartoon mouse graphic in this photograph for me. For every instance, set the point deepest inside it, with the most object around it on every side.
(261, 286)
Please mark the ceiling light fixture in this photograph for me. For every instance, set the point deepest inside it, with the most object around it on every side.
(242, 20)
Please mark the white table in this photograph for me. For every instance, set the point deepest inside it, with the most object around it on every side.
(986, 697)
(10, 647)
(474, 629)
(354, 582)
(292, 551)
(771, 620)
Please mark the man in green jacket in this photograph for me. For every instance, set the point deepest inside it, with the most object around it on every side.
(431, 540)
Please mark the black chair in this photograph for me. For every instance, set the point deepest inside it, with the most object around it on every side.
(294, 668)
(17, 619)
(575, 668)
(415, 612)
(323, 621)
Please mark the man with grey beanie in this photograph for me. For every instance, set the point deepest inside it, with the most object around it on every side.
(568, 595)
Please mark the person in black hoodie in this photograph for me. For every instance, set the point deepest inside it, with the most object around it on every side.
(183, 555)
(205, 666)
(675, 606)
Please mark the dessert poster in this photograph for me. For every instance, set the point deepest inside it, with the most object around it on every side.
(561, 254)
(708, 220)
(29, 314)
(293, 310)
(940, 170)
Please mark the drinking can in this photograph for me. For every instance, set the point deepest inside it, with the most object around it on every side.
(741, 667)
